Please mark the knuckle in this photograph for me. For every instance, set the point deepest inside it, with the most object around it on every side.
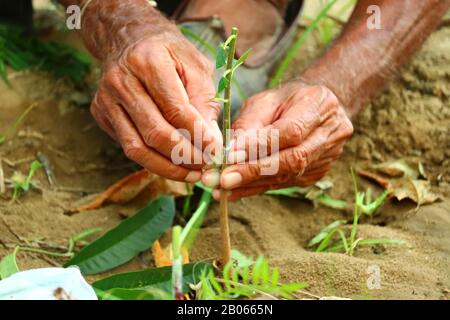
(296, 131)
(133, 149)
(112, 79)
(174, 113)
(136, 55)
(153, 138)
(295, 160)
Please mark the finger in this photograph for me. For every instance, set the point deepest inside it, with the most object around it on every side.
(135, 148)
(163, 80)
(301, 116)
(101, 120)
(258, 111)
(291, 161)
(156, 132)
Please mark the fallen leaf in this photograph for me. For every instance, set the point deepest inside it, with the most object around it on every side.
(163, 257)
(418, 191)
(375, 177)
(402, 179)
(399, 168)
(141, 183)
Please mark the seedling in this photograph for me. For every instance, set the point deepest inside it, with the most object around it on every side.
(225, 60)
(182, 241)
(244, 278)
(22, 184)
(323, 241)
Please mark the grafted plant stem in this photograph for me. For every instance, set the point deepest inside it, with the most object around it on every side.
(224, 225)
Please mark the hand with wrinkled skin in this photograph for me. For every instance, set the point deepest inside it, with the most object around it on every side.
(154, 81)
(311, 126)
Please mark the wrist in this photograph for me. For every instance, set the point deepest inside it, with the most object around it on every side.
(342, 87)
(108, 27)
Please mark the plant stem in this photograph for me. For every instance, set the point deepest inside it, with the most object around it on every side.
(177, 264)
(225, 229)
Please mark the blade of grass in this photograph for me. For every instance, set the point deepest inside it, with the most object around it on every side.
(278, 76)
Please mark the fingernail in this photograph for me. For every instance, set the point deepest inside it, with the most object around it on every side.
(237, 156)
(231, 180)
(211, 178)
(193, 176)
(216, 195)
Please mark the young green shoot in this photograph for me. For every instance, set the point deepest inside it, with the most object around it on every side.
(243, 277)
(225, 59)
(324, 240)
(182, 241)
(22, 184)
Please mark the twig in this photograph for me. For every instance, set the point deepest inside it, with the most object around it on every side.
(14, 163)
(2, 177)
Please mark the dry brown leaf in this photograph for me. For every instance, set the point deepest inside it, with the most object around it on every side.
(399, 168)
(401, 179)
(141, 183)
(163, 257)
(418, 191)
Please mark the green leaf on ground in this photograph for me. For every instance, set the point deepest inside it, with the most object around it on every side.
(148, 283)
(8, 265)
(128, 239)
(325, 232)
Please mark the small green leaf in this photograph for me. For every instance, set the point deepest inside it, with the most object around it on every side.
(221, 57)
(2, 139)
(293, 192)
(327, 201)
(223, 83)
(370, 208)
(128, 239)
(325, 231)
(242, 59)
(86, 233)
(35, 165)
(155, 279)
(8, 265)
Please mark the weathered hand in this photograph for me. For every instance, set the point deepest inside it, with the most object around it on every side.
(154, 82)
(311, 127)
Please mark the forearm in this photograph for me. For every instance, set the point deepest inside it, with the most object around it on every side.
(358, 64)
(109, 26)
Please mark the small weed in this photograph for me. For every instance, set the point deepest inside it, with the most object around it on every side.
(21, 184)
(324, 240)
(244, 278)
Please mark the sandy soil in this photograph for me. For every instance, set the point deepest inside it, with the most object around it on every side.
(411, 119)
